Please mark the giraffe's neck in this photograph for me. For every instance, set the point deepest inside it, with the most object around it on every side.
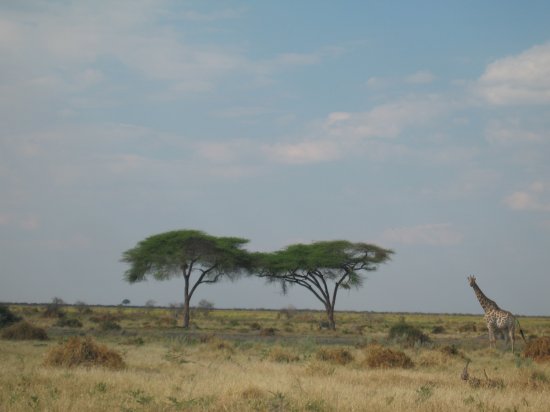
(486, 303)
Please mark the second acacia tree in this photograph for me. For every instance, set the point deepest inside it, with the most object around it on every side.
(323, 268)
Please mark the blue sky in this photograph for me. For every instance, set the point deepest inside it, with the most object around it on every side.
(421, 126)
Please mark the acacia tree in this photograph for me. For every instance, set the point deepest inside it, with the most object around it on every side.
(194, 255)
(323, 268)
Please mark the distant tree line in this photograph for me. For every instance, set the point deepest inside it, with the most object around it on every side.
(323, 268)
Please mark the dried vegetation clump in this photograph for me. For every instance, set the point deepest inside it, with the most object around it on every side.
(379, 357)
(24, 331)
(83, 352)
(538, 349)
(283, 356)
(340, 356)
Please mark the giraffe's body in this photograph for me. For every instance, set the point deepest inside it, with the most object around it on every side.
(498, 320)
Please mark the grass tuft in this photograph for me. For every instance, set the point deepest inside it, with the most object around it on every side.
(283, 356)
(380, 357)
(538, 349)
(83, 352)
(339, 356)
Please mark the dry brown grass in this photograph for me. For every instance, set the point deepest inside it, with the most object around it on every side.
(83, 352)
(173, 370)
(538, 349)
(24, 331)
(282, 355)
(339, 356)
(379, 357)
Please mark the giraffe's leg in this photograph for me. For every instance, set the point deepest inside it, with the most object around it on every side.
(512, 338)
(492, 340)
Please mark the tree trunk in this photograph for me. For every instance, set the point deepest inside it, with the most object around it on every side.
(330, 318)
(186, 300)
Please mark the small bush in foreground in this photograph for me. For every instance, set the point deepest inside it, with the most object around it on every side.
(24, 331)
(7, 317)
(334, 355)
(538, 349)
(380, 357)
(83, 352)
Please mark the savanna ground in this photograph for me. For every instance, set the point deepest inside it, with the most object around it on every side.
(247, 360)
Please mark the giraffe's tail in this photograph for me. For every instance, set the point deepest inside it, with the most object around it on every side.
(521, 331)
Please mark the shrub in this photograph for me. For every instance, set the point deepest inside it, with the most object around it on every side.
(438, 329)
(7, 317)
(24, 331)
(334, 355)
(268, 332)
(289, 312)
(283, 356)
(255, 326)
(83, 352)
(68, 323)
(468, 327)
(407, 334)
(82, 307)
(380, 357)
(55, 309)
(451, 350)
(104, 317)
(109, 325)
(538, 349)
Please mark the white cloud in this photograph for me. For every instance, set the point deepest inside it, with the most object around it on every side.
(385, 121)
(519, 79)
(308, 151)
(429, 234)
(509, 131)
(536, 197)
(418, 78)
(421, 77)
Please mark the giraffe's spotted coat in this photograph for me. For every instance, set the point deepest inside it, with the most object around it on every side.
(497, 320)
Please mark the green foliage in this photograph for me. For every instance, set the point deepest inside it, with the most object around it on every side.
(172, 254)
(7, 317)
(331, 258)
(321, 267)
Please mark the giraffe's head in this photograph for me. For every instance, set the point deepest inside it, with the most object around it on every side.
(472, 280)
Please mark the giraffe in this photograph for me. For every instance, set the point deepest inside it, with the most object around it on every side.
(498, 320)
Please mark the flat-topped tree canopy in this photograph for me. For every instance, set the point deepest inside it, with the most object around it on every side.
(186, 252)
(316, 265)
